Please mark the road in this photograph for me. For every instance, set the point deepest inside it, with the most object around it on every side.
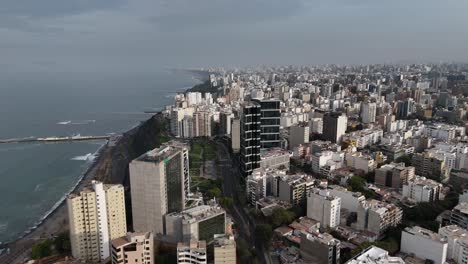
(228, 167)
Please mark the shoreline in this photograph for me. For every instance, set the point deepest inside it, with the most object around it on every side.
(55, 221)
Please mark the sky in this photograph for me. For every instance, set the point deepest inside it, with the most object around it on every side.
(125, 35)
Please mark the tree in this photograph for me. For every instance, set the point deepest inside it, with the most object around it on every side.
(357, 184)
(42, 249)
(226, 202)
(281, 216)
(263, 234)
(405, 159)
(243, 249)
(215, 192)
(62, 243)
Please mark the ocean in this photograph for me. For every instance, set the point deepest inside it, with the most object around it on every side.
(34, 177)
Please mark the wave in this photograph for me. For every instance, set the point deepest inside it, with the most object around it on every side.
(63, 198)
(3, 227)
(76, 122)
(87, 157)
(38, 187)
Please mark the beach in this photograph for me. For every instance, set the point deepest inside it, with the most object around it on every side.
(57, 221)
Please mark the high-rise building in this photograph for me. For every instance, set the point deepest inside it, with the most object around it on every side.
(96, 216)
(270, 116)
(368, 111)
(424, 244)
(457, 239)
(320, 248)
(199, 223)
(250, 137)
(324, 207)
(202, 124)
(405, 108)
(224, 250)
(160, 184)
(134, 248)
(193, 252)
(334, 126)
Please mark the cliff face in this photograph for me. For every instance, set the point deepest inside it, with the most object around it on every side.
(113, 165)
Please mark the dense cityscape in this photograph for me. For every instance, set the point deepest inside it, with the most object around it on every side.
(312, 164)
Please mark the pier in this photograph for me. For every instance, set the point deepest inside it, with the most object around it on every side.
(52, 139)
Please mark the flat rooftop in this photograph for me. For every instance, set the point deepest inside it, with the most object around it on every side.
(163, 152)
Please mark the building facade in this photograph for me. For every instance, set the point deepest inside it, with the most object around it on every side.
(193, 252)
(96, 216)
(160, 184)
(324, 207)
(424, 244)
(250, 137)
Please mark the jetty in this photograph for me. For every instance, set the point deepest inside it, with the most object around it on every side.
(52, 139)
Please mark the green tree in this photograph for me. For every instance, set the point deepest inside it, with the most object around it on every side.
(226, 202)
(62, 243)
(263, 234)
(281, 216)
(42, 249)
(215, 192)
(357, 184)
(243, 249)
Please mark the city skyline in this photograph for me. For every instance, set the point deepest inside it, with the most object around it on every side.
(86, 36)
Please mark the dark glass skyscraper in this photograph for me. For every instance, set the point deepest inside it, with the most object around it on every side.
(250, 137)
(269, 123)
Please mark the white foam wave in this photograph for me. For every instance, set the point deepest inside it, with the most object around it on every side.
(64, 122)
(76, 122)
(62, 199)
(87, 157)
(3, 227)
(38, 187)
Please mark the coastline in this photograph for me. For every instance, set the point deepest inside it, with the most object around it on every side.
(55, 221)
(109, 166)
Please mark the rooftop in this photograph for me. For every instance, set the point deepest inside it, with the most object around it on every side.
(419, 231)
(375, 255)
(198, 213)
(163, 152)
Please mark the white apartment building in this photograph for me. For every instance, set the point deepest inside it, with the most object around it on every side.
(349, 200)
(359, 161)
(324, 158)
(275, 158)
(96, 216)
(364, 138)
(424, 244)
(457, 239)
(256, 185)
(459, 215)
(375, 255)
(444, 132)
(422, 189)
(193, 252)
(324, 207)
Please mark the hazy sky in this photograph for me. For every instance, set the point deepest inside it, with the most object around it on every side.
(98, 35)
